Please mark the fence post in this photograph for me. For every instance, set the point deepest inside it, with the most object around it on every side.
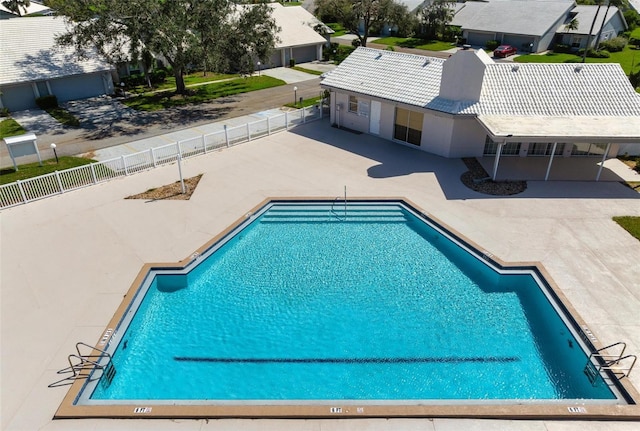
(59, 182)
(124, 164)
(286, 120)
(93, 173)
(268, 126)
(153, 156)
(204, 144)
(24, 196)
(248, 132)
(179, 148)
(226, 135)
(304, 118)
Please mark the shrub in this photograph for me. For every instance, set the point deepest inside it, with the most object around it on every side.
(292, 62)
(562, 49)
(47, 102)
(492, 44)
(134, 80)
(616, 44)
(158, 76)
(355, 43)
(592, 53)
(635, 42)
(4, 112)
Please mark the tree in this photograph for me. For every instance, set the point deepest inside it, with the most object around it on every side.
(217, 33)
(593, 23)
(616, 3)
(15, 5)
(351, 14)
(572, 25)
(435, 18)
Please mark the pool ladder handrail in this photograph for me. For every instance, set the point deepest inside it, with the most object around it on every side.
(333, 211)
(618, 365)
(82, 365)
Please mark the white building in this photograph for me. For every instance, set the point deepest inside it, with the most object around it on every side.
(470, 106)
(32, 65)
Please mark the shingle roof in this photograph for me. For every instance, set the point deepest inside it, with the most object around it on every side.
(296, 26)
(585, 15)
(533, 18)
(28, 52)
(395, 76)
(526, 89)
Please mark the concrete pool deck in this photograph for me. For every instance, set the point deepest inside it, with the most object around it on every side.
(67, 261)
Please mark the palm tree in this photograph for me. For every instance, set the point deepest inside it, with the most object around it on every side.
(616, 3)
(15, 5)
(593, 23)
(572, 25)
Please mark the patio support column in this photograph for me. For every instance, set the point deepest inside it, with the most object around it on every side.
(604, 157)
(497, 160)
(553, 153)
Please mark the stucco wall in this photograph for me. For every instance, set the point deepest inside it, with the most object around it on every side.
(437, 131)
(468, 138)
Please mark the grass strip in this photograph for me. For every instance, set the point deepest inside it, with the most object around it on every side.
(630, 224)
(30, 170)
(200, 94)
(10, 127)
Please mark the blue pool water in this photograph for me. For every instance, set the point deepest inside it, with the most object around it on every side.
(307, 304)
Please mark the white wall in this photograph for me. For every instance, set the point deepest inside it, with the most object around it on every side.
(437, 131)
(468, 138)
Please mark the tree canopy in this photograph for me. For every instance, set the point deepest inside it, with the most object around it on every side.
(371, 15)
(217, 35)
(17, 6)
(436, 17)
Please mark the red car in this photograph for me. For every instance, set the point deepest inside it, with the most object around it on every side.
(504, 51)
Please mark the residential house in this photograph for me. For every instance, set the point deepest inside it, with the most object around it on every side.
(577, 38)
(32, 65)
(297, 39)
(533, 26)
(34, 8)
(470, 106)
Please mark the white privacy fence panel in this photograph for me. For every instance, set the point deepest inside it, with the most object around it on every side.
(59, 182)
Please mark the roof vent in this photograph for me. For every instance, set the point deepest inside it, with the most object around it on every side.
(426, 62)
(578, 68)
(515, 68)
(379, 56)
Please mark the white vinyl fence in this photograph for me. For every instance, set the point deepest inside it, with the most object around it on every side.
(22, 192)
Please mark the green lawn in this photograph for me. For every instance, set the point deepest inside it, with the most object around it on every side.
(337, 28)
(203, 93)
(9, 127)
(306, 102)
(630, 224)
(626, 58)
(412, 42)
(190, 79)
(30, 170)
(310, 71)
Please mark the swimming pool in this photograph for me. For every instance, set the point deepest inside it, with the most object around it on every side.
(367, 303)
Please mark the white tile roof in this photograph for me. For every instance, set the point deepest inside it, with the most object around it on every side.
(394, 76)
(533, 18)
(567, 92)
(296, 26)
(28, 52)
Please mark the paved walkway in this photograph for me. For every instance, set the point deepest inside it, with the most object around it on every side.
(67, 261)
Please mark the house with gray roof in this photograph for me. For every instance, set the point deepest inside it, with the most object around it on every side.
(614, 23)
(470, 106)
(533, 26)
(32, 65)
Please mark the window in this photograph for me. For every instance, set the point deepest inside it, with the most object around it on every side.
(508, 149)
(576, 42)
(358, 106)
(408, 126)
(584, 149)
(544, 149)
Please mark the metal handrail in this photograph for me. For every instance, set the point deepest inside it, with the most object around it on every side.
(83, 365)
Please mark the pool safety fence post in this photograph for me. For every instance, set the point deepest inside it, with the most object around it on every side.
(226, 135)
(286, 120)
(304, 118)
(59, 182)
(180, 173)
(93, 173)
(178, 148)
(204, 145)
(153, 156)
(124, 164)
(497, 160)
(24, 196)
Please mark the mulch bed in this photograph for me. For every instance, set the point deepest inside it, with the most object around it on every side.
(477, 179)
(170, 191)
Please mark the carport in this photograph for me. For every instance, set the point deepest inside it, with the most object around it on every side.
(609, 131)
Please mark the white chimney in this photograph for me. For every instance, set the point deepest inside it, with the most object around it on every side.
(462, 75)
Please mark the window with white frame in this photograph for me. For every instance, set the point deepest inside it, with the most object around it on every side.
(508, 149)
(585, 149)
(545, 149)
(359, 106)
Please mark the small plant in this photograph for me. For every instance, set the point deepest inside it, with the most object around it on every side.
(292, 62)
(561, 48)
(492, 44)
(616, 44)
(4, 112)
(47, 102)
